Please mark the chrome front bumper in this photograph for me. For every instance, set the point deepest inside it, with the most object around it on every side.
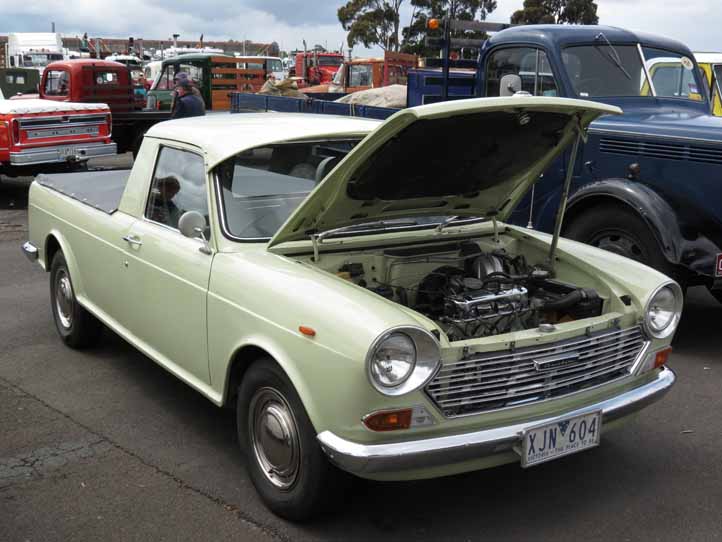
(371, 459)
(62, 153)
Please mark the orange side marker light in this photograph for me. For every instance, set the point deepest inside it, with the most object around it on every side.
(308, 331)
(662, 357)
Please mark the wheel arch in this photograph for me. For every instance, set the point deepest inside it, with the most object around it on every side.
(54, 243)
(651, 207)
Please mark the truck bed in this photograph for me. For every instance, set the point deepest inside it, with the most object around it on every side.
(242, 102)
(101, 190)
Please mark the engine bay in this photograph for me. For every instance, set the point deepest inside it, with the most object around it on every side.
(468, 291)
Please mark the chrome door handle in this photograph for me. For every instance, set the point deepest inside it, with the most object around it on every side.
(133, 240)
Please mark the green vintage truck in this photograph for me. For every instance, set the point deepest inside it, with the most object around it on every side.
(351, 289)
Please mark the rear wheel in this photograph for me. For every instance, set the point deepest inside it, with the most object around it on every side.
(76, 326)
(285, 461)
(619, 230)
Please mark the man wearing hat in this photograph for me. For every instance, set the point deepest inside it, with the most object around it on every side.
(182, 77)
(187, 103)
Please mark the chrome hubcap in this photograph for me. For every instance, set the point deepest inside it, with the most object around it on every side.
(64, 299)
(274, 436)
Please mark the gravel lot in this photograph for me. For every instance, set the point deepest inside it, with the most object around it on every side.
(105, 444)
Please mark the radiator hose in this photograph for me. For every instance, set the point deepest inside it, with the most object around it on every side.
(571, 299)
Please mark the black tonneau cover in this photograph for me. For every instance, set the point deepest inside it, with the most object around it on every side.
(99, 189)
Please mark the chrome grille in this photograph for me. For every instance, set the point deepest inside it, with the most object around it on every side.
(492, 381)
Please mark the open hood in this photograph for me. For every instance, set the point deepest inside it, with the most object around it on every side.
(462, 158)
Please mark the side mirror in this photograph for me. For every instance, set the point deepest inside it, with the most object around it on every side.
(510, 85)
(192, 224)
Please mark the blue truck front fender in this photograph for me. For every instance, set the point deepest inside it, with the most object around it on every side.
(697, 254)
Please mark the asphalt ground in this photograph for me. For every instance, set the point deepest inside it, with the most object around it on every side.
(104, 444)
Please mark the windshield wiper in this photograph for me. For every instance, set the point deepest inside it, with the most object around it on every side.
(614, 55)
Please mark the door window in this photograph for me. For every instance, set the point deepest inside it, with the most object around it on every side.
(360, 75)
(165, 81)
(179, 185)
(57, 83)
(530, 64)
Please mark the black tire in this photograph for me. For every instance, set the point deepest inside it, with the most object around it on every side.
(76, 326)
(622, 231)
(312, 482)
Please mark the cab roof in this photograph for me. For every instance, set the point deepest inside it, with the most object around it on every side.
(78, 63)
(223, 135)
(554, 36)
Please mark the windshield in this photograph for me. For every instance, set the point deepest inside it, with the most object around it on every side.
(36, 60)
(609, 70)
(274, 66)
(330, 60)
(260, 188)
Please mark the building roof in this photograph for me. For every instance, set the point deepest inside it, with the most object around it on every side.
(222, 135)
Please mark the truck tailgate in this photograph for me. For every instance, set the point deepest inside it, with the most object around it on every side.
(99, 189)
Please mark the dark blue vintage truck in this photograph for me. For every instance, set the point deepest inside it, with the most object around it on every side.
(647, 184)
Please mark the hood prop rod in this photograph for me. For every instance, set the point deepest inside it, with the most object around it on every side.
(565, 194)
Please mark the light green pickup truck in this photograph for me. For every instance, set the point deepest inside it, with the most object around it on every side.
(350, 288)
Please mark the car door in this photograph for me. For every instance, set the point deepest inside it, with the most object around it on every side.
(169, 273)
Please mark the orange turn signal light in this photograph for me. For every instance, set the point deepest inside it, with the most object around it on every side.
(389, 420)
(662, 357)
(307, 331)
(433, 24)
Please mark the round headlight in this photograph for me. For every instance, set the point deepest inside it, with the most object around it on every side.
(664, 310)
(393, 360)
(402, 360)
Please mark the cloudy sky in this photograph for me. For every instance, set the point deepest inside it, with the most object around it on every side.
(288, 22)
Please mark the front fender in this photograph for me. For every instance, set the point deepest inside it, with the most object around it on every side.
(648, 204)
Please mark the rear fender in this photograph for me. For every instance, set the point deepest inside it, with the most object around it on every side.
(69, 259)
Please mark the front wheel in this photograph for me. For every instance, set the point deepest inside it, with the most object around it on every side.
(76, 326)
(285, 462)
(619, 230)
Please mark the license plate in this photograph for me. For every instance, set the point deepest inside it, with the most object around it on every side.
(64, 152)
(554, 440)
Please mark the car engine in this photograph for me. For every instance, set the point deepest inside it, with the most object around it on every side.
(498, 294)
(489, 294)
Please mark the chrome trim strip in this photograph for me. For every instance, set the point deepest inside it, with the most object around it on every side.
(393, 457)
(30, 251)
(70, 114)
(45, 155)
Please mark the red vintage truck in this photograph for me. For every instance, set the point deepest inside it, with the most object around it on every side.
(316, 68)
(41, 136)
(93, 81)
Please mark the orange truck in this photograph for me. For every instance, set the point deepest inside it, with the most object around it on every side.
(43, 136)
(366, 73)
